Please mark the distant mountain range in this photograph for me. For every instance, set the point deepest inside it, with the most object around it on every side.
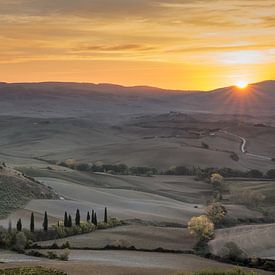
(58, 99)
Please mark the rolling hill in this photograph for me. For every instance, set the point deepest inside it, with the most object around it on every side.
(51, 99)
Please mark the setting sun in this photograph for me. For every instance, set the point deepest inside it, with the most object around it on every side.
(242, 84)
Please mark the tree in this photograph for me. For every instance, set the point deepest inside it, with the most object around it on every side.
(93, 216)
(216, 212)
(201, 227)
(70, 224)
(88, 217)
(77, 218)
(217, 180)
(66, 219)
(95, 219)
(105, 215)
(45, 222)
(19, 225)
(32, 223)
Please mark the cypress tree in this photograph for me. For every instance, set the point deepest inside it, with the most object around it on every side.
(10, 226)
(93, 216)
(66, 219)
(45, 222)
(95, 220)
(70, 224)
(32, 223)
(19, 225)
(77, 217)
(105, 215)
(88, 217)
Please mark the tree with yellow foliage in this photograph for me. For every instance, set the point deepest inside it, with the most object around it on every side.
(201, 227)
(216, 212)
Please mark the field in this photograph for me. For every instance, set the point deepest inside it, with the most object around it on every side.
(127, 262)
(161, 142)
(139, 236)
(267, 188)
(254, 240)
(40, 130)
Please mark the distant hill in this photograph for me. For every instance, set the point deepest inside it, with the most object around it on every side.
(57, 99)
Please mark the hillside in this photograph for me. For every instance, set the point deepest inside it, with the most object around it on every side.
(16, 190)
(51, 99)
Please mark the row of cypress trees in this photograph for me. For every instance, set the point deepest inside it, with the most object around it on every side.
(67, 220)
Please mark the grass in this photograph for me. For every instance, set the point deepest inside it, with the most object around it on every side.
(31, 271)
(11, 197)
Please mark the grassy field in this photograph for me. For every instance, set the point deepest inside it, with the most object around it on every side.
(139, 236)
(16, 190)
(128, 262)
(30, 271)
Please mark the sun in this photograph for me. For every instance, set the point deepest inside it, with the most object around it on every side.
(242, 84)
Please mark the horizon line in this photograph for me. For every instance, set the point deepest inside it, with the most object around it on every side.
(130, 86)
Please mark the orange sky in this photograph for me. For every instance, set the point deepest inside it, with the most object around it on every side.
(187, 44)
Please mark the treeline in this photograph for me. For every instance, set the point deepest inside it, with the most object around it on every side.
(202, 173)
(123, 169)
(225, 172)
(120, 169)
(20, 238)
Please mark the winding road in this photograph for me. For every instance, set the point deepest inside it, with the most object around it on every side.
(243, 148)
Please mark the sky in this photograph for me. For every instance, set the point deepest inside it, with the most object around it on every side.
(187, 44)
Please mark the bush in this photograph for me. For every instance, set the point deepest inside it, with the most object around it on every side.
(20, 242)
(204, 145)
(51, 255)
(64, 256)
(235, 156)
(232, 252)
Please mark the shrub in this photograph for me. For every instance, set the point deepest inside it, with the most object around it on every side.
(51, 255)
(232, 252)
(204, 145)
(65, 255)
(20, 242)
(234, 156)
